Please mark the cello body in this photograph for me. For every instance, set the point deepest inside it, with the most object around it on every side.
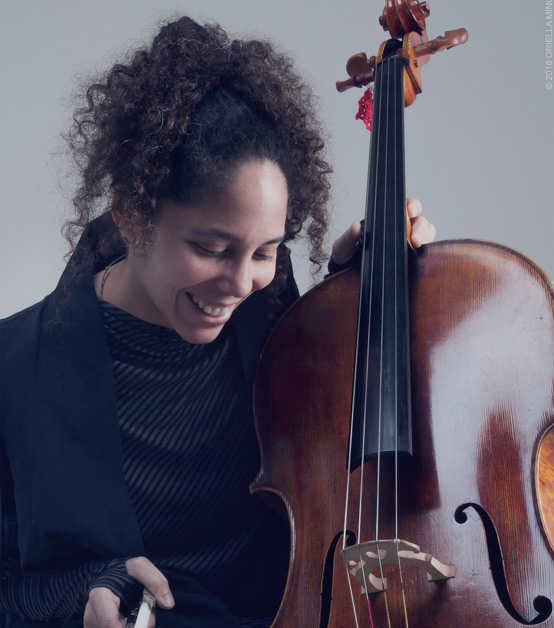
(475, 494)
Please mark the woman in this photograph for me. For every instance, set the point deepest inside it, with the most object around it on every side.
(128, 443)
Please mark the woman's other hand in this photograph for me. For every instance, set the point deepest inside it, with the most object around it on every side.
(423, 232)
(102, 609)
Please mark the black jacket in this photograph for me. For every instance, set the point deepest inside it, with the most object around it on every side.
(61, 453)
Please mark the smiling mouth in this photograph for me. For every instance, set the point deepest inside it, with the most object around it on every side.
(212, 311)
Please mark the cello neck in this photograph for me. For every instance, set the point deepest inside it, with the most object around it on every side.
(381, 398)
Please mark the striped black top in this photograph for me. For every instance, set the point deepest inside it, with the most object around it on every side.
(189, 454)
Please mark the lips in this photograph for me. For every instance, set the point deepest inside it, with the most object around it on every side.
(212, 310)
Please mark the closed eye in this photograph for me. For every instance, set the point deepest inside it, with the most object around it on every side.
(202, 250)
(265, 257)
(207, 252)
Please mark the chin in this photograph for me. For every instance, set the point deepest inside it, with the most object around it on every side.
(200, 336)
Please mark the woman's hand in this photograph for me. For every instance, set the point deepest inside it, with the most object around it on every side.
(102, 609)
(423, 232)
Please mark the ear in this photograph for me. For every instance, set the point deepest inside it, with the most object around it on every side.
(126, 229)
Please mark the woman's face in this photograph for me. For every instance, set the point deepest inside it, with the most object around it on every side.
(206, 259)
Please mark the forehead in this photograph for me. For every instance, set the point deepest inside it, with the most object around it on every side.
(256, 199)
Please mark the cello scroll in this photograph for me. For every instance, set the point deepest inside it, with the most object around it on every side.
(404, 20)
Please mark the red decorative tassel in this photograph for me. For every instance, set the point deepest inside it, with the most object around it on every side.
(365, 108)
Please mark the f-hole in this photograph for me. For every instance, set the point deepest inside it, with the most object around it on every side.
(541, 604)
(327, 580)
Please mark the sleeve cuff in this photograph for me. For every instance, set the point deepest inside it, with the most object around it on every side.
(115, 578)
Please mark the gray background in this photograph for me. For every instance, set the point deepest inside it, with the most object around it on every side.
(479, 138)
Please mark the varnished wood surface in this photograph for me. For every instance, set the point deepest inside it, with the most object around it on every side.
(482, 346)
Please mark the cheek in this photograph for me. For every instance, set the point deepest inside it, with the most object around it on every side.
(265, 276)
(180, 270)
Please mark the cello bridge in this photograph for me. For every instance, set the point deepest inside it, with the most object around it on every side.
(364, 558)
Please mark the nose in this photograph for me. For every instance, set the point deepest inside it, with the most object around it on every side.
(237, 279)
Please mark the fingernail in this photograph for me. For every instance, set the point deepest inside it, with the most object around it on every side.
(167, 600)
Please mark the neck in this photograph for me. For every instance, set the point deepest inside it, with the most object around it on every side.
(119, 284)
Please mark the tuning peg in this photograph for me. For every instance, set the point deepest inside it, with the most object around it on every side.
(361, 72)
(449, 40)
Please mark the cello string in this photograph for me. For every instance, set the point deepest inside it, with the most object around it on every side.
(377, 129)
(357, 360)
(395, 190)
(352, 601)
(350, 440)
(356, 363)
(376, 167)
(381, 340)
(379, 167)
(370, 615)
(404, 604)
(378, 107)
(348, 577)
(363, 281)
(397, 202)
(382, 321)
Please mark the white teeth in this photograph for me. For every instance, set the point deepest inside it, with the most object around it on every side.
(215, 311)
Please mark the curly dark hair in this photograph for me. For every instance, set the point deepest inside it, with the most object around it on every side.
(176, 122)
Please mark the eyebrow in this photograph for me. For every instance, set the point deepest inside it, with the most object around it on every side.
(226, 235)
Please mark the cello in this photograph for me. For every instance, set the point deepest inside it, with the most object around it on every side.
(405, 410)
